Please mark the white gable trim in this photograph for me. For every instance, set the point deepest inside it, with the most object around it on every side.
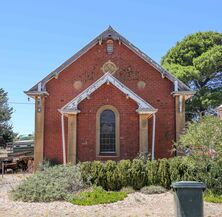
(72, 106)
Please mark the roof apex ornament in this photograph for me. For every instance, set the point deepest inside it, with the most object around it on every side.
(110, 27)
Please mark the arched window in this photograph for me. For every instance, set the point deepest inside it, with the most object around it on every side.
(107, 131)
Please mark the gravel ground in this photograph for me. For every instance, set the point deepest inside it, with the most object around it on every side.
(136, 204)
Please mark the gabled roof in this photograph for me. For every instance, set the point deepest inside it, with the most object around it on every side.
(72, 106)
(108, 33)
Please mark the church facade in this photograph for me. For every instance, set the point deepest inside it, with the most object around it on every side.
(108, 101)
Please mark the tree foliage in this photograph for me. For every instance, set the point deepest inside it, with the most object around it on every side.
(6, 133)
(204, 138)
(197, 61)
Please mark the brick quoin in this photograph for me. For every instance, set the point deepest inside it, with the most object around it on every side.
(131, 70)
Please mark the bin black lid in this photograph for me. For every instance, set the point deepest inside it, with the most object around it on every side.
(188, 184)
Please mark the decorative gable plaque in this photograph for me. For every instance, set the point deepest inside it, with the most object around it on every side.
(109, 67)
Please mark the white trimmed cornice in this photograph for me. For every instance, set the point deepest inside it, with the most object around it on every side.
(187, 94)
(143, 106)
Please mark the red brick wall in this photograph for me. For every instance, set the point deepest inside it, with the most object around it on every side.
(131, 70)
(129, 123)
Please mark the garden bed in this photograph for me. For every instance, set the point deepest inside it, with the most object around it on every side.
(136, 204)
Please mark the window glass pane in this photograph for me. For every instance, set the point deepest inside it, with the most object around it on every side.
(107, 132)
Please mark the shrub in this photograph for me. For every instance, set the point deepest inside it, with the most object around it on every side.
(188, 169)
(144, 156)
(98, 174)
(58, 182)
(209, 196)
(127, 190)
(86, 171)
(152, 171)
(54, 183)
(152, 189)
(175, 172)
(124, 170)
(182, 168)
(97, 195)
(138, 174)
(163, 173)
(112, 176)
(44, 165)
(213, 177)
(213, 198)
(203, 139)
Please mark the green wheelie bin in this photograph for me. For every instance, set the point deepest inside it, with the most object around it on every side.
(189, 198)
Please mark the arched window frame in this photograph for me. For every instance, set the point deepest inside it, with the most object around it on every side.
(117, 127)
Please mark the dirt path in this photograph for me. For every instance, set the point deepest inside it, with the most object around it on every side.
(136, 204)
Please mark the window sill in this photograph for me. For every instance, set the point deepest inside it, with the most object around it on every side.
(107, 155)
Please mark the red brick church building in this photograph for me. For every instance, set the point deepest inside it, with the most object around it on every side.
(108, 101)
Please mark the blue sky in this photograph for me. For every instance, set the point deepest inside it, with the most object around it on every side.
(37, 36)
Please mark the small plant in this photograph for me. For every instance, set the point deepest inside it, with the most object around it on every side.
(128, 190)
(212, 198)
(144, 156)
(97, 195)
(44, 165)
(53, 183)
(152, 189)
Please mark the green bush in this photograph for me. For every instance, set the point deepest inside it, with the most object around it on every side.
(213, 176)
(58, 182)
(97, 195)
(124, 170)
(163, 173)
(203, 139)
(175, 169)
(112, 176)
(152, 171)
(144, 156)
(127, 190)
(152, 189)
(96, 173)
(54, 183)
(138, 174)
(182, 169)
(212, 198)
(86, 170)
